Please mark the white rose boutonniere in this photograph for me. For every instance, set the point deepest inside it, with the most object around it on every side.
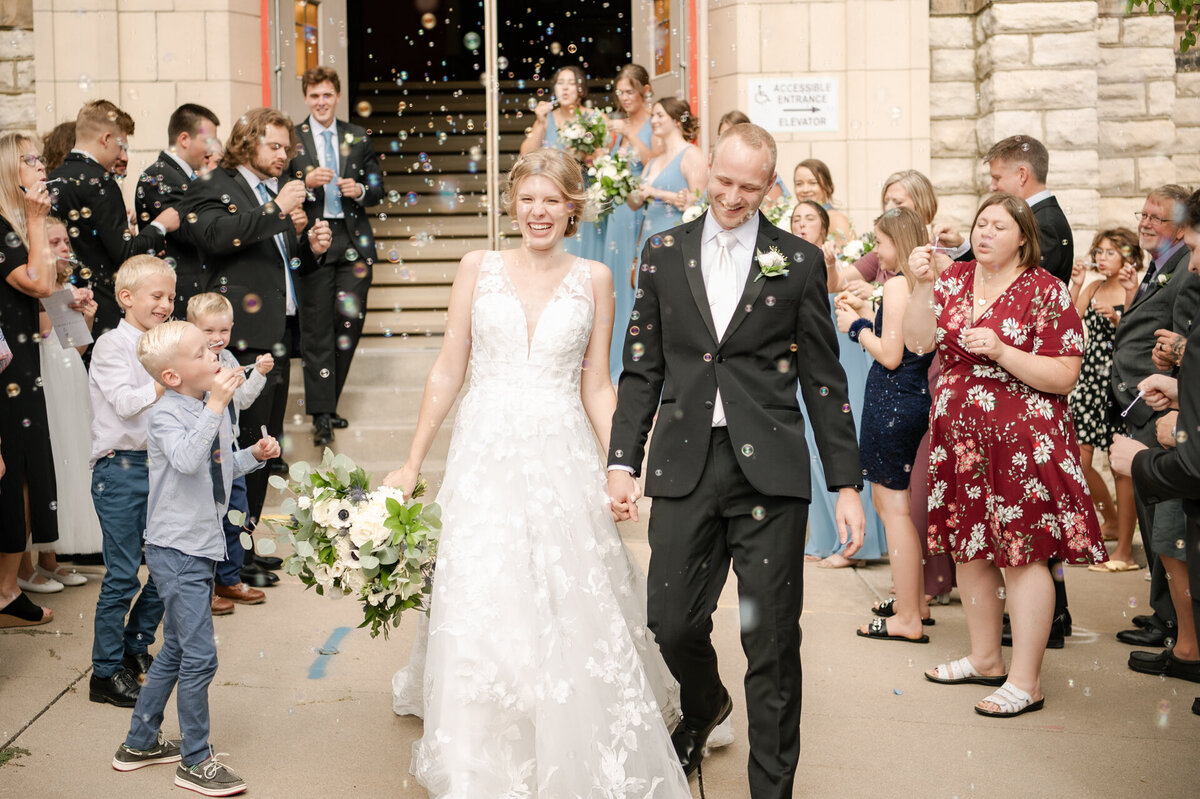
(1163, 279)
(771, 263)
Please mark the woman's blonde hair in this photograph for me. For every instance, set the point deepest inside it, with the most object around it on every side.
(65, 268)
(12, 199)
(907, 231)
(561, 169)
(134, 273)
(210, 303)
(1029, 253)
(158, 346)
(918, 187)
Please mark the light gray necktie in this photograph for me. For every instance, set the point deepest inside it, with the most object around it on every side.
(723, 294)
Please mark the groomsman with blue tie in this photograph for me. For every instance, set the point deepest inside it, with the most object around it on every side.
(165, 183)
(339, 168)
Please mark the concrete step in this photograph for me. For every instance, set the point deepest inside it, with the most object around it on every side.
(414, 273)
(447, 201)
(405, 324)
(424, 245)
(407, 161)
(471, 223)
(404, 298)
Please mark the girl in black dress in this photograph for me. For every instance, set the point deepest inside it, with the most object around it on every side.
(27, 272)
(1100, 305)
(894, 419)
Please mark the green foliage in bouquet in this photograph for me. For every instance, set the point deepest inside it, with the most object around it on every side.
(612, 181)
(585, 133)
(348, 540)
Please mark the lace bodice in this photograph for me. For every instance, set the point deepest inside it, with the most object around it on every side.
(509, 358)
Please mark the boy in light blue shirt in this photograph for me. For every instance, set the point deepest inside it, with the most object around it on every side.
(192, 462)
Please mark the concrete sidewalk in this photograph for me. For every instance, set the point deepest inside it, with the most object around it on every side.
(299, 723)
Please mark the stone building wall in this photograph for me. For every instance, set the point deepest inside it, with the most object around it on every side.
(1098, 87)
(18, 108)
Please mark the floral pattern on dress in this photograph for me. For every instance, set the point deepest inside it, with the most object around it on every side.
(1005, 481)
(1090, 401)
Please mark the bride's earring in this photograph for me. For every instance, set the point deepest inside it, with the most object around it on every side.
(571, 221)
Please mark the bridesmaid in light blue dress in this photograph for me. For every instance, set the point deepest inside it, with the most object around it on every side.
(569, 91)
(633, 137)
(811, 223)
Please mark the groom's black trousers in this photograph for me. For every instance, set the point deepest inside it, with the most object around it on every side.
(692, 541)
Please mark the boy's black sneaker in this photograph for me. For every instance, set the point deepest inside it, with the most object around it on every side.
(210, 777)
(128, 759)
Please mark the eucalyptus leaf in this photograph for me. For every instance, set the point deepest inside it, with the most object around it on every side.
(265, 546)
(304, 549)
(368, 562)
(246, 539)
(236, 517)
(276, 481)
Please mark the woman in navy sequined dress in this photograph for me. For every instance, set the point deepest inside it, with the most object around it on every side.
(894, 420)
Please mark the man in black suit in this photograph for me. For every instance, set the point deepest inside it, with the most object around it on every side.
(248, 233)
(88, 198)
(1167, 300)
(165, 183)
(338, 166)
(1174, 472)
(1019, 165)
(729, 320)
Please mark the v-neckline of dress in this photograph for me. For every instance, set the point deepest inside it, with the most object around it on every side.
(531, 331)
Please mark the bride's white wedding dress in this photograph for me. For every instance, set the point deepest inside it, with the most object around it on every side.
(540, 678)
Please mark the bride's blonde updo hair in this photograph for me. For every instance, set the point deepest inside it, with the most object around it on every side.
(561, 169)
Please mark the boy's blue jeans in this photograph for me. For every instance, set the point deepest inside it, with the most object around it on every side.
(229, 570)
(120, 487)
(188, 658)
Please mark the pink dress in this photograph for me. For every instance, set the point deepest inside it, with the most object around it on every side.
(1005, 482)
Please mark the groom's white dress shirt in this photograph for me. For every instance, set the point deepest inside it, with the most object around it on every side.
(723, 296)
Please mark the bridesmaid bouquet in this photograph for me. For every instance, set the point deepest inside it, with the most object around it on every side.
(697, 208)
(348, 540)
(612, 182)
(585, 133)
(857, 248)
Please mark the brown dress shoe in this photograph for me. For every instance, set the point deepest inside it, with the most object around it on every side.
(220, 606)
(241, 593)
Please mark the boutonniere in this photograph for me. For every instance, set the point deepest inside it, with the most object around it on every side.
(771, 263)
(1163, 279)
(876, 297)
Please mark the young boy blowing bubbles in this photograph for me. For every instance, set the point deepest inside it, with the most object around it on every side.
(192, 462)
(212, 313)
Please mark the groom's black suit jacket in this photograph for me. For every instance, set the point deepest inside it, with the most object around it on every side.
(781, 332)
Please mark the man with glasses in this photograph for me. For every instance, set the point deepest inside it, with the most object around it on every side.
(87, 197)
(1163, 304)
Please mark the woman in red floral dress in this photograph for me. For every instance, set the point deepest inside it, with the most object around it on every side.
(1006, 490)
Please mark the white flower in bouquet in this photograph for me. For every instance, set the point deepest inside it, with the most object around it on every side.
(613, 182)
(304, 503)
(369, 528)
(585, 133)
(333, 513)
(695, 210)
(855, 249)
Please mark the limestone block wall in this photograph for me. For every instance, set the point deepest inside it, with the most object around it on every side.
(147, 56)
(879, 51)
(17, 98)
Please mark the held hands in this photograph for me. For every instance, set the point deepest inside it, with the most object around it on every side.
(320, 237)
(1078, 272)
(37, 202)
(291, 196)
(299, 219)
(265, 448)
(404, 478)
(983, 341)
(1161, 392)
(1168, 351)
(224, 384)
(542, 110)
(623, 494)
(920, 262)
(264, 363)
(1107, 311)
(83, 303)
(349, 188)
(1164, 429)
(320, 176)
(1121, 452)
(851, 521)
(947, 235)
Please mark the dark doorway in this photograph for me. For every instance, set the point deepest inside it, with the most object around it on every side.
(442, 40)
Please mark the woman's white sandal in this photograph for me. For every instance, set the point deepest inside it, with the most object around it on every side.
(1012, 701)
(960, 672)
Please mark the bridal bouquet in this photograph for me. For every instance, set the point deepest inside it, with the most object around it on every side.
(351, 541)
(585, 133)
(612, 182)
(857, 248)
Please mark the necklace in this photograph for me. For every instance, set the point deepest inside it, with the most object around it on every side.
(982, 300)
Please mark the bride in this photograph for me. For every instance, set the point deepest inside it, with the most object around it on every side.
(540, 677)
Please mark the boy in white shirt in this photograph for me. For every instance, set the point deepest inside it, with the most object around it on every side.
(121, 391)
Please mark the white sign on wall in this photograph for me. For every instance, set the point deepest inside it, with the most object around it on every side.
(794, 105)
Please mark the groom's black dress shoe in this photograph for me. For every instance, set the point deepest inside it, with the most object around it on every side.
(322, 430)
(1146, 636)
(689, 741)
(339, 422)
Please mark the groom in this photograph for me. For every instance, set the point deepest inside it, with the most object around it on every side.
(729, 320)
